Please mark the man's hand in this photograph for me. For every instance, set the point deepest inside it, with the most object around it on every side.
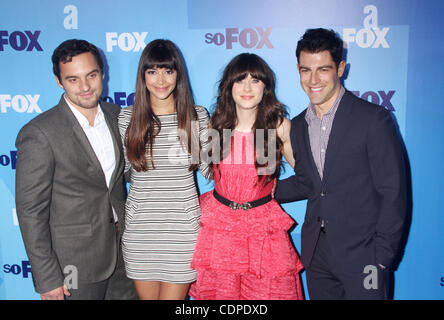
(56, 294)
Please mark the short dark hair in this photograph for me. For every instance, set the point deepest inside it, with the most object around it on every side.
(71, 48)
(317, 40)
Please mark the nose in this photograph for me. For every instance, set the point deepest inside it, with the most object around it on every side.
(85, 85)
(314, 78)
(161, 78)
(247, 86)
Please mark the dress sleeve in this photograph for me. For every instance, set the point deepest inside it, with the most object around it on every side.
(204, 166)
(124, 119)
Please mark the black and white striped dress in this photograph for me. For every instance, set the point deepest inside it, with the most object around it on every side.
(162, 209)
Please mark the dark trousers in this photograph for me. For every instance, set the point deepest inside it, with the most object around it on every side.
(117, 287)
(326, 281)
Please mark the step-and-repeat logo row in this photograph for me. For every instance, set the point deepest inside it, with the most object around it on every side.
(22, 268)
(120, 98)
(126, 41)
(20, 40)
(9, 159)
(20, 103)
(371, 35)
(29, 103)
(248, 38)
(380, 97)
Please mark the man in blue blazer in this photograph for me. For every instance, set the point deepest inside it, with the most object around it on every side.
(349, 163)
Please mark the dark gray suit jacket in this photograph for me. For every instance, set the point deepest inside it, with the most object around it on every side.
(362, 197)
(63, 204)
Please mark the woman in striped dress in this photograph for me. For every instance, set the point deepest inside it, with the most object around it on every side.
(159, 133)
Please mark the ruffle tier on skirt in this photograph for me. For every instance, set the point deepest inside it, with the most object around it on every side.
(245, 254)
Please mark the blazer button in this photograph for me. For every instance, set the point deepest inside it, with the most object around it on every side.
(323, 193)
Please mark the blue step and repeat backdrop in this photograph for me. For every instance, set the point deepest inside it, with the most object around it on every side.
(394, 54)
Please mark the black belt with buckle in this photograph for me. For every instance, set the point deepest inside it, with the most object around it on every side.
(244, 206)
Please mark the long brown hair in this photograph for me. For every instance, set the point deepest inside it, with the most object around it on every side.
(144, 125)
(270, 112)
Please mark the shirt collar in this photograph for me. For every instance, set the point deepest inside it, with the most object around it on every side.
(83, 121)
(310, 115)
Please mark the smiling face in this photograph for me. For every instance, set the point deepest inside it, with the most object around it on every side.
(81, 78)
(320, 79)
(160, 83)
(248, 92)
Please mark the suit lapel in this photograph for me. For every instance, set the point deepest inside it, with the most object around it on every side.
(339, 128)
(80, 136)
(111, 121)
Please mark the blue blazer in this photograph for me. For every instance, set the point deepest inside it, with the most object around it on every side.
(362, 196)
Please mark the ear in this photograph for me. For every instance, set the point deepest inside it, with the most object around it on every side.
(59, 83)
(341, 68)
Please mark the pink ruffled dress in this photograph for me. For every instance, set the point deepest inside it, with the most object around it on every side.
(244, 254)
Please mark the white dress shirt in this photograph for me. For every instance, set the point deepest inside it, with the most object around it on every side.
(101, 141)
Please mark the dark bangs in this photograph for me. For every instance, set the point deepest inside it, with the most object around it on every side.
(160, 57)
(248, 63)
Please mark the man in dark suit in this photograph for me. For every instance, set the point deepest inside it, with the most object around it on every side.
(349, 164)
(70, 190)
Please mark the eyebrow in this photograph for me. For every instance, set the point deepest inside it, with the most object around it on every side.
(92, 71)
(329, 66)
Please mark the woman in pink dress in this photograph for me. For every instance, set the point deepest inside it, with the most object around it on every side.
(243, 250)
